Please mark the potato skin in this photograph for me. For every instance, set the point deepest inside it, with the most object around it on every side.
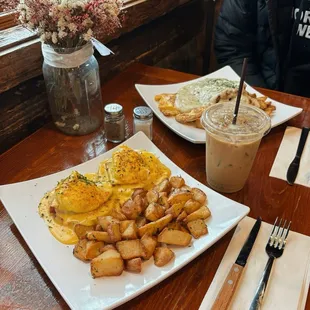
(131, 209)
(199, 196)
(197, 228)
(148, 244)
(129, 249)
(175, 237)
(162, 256)
(154, 212)
(81, 230)
(138, 191)
(152, 196)
(163, 186)
(201, 213)
(191, 206)
(79, 250)
(93, 249)
(140, 221)
(99, 236)
(134, 265)
(109, 263)
(177, 182)
(179, 197)
(105, 221)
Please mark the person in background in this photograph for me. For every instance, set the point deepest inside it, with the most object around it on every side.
(274, 35)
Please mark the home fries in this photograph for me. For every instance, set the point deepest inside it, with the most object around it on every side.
(132, 209)
(188, 104)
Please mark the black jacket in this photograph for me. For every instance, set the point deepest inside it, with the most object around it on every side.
(260, 30)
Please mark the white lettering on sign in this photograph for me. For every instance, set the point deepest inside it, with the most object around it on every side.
(308, 33)
(303, 29)
(307, 17)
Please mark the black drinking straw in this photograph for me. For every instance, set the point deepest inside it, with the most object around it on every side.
(244, 67)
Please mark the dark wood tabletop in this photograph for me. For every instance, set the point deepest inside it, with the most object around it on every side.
(24, 284)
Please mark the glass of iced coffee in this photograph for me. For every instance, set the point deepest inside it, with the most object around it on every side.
(231, 149)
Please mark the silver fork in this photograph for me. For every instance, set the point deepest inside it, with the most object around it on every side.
(274, 248)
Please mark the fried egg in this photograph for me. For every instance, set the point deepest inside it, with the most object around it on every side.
(201, 93)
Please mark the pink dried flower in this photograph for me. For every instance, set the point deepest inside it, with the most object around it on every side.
(69, 23)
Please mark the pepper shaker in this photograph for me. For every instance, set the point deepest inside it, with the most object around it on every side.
(143, 121)
(114, 122)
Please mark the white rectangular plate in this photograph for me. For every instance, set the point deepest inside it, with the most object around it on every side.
(72, 277)
(195, 135)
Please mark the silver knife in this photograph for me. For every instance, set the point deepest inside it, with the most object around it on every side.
(294, 166)
(230, 284)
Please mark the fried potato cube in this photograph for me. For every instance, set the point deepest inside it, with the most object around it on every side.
(118, 215)
(138, 191)
(197, 228)
(182, 216)
(174, 225)
(154, 212)
(199, 196)
(175, 209)
(148, 244)
(149, 228)
(134, 265)
(99, 236)
(191, 206)
(201, 213)
(162, 256)
(93, 249)
(131, 209)
(130, 248)
(140, 221)
(141, 202)
(79, 250)
(109, 263)
(108, 247)
(81, 230)
(114, 232)
(179, 197)
(184, 229)
(177, 182)
(152, 196)
(129, 229)
(175, 237)
(124, 225)
(163, 200)
(186, 188)
(163, 222)
(105, 221)
(157, 226)
(163, 186)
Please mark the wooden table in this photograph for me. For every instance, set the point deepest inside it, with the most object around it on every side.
(23, 283)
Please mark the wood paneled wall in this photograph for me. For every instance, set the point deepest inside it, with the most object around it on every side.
(179, 40)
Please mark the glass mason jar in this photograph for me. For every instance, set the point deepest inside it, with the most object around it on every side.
(73, 87)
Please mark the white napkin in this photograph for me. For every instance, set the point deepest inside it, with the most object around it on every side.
(286, 154)
(290, 276)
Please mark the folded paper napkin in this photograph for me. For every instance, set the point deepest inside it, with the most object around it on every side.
(290, 276)
(286, 154)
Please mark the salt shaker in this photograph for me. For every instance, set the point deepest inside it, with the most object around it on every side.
(114, 122)
(143, 121)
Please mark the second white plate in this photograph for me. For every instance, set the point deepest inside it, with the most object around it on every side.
(282, 114)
